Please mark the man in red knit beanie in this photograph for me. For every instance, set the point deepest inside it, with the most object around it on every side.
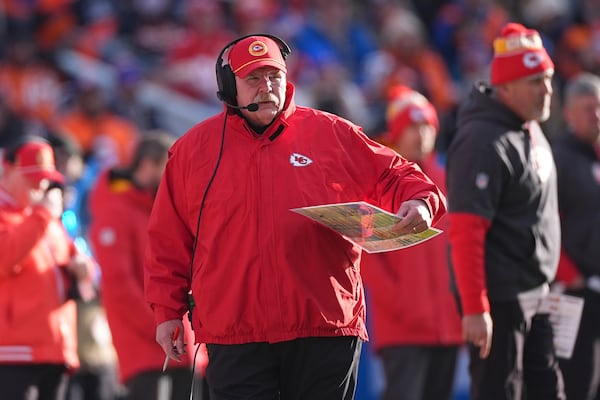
(504, 226)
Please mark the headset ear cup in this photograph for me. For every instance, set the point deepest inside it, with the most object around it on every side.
(219, 74)
(229, 88)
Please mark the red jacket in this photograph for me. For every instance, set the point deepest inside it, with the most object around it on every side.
(410, 300)
(262, 272)
(37, 322)
(119, 215)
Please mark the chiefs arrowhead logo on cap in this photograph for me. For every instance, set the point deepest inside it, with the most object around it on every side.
(257, 49)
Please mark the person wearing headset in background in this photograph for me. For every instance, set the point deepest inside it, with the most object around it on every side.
(504, 227)
(278, 298)
(40, 269)
(120, 205)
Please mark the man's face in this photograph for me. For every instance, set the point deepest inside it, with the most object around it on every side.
(149, 173)
(266, 87)
(416, 142)
(24, 190)
(529, 97)
(159, 170)
(582, 114)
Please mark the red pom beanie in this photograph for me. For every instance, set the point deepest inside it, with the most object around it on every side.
(407, 107)
(518, 53)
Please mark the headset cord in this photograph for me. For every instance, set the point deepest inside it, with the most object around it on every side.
(190, 297)
(193, 386)
(208, 185)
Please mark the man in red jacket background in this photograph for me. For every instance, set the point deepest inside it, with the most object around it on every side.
(120, 205)
(413, 313)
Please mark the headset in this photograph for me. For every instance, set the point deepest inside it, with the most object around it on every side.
(226, 78)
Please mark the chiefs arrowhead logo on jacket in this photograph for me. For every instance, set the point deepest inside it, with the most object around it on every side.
(298, 160)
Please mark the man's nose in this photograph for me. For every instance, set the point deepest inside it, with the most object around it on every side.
(265, 83)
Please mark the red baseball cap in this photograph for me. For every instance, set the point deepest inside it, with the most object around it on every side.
(35, 160)
(254, 52)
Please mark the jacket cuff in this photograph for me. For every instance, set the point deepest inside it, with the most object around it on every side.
(162, 314)
(436, 205)
(466, 233)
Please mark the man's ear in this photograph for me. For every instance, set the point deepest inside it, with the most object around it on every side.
(503, 91)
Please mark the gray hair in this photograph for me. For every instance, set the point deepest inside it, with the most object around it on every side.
(154, 145)
(584, 84)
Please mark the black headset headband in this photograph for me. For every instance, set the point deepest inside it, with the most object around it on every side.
(227, 90)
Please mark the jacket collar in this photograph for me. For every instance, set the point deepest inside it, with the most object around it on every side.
(279, 124)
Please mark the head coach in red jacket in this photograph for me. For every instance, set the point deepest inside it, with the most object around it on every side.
(278, 298)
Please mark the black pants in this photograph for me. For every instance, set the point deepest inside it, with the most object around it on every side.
(173, 384)
(521, 364)
(318, 368)
(418, 372)
(33, 382)
(582, 370)
(99, 383)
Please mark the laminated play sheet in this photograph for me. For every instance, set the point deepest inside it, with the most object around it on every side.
(365, 225)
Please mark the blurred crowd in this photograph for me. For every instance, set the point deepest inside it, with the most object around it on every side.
(94, 77)
(64, 62)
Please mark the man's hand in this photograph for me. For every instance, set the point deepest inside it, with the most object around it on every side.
(477, 329)
(50, 199)
(173, 348)
(81, 267)
(415, 217)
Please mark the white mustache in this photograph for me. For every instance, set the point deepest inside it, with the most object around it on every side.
(267, 98)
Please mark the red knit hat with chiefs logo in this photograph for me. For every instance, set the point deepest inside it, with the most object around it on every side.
(407, 107)
(254, 52)
(35, 160)
(518, 53)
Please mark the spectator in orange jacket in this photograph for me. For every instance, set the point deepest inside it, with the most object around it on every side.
(38, 266)
(30, 87)
(415, 323)
(120, 206)
(99, 131)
